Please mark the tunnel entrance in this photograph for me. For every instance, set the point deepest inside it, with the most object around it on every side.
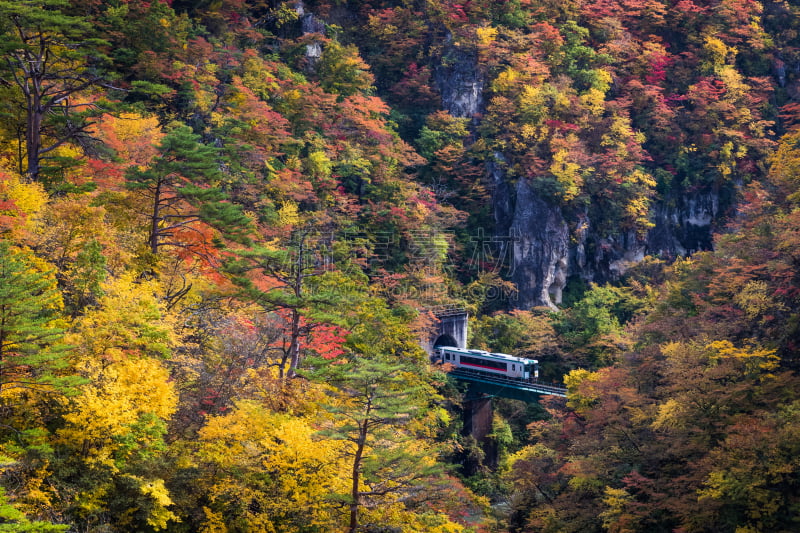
(445, 340)
(448, 328)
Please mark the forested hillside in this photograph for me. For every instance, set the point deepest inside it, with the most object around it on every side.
(226, 225)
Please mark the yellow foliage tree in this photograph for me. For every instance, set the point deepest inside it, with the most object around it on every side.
(581, 393)
(122, 393)
(784, 169)
(128, 322)
(21, 205)
(567, 173)
(273, 473)
(113, 429)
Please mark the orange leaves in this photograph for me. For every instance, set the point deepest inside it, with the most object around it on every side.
(197, 243)
(327, 340)
(263, 282)
(259, 130)
(132, 136)
(133, 139)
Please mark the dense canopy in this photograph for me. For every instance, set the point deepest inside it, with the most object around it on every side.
(226, 226)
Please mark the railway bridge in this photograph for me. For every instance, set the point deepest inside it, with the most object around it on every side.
(451, 330)
(478, 413)
(487, 385)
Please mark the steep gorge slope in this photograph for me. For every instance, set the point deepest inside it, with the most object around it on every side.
(606, 132)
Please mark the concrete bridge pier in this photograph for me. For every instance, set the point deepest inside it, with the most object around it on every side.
(478, 416)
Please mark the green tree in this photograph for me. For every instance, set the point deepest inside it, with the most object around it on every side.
(593, 325)
(49, 58)
(31, 326)
(381, 412)
(289, 282)
(342, 71)
(182, 186)
(13, 521)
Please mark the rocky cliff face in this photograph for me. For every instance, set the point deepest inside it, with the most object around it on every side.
(599, 258)
(550, 247)
(310, 24)
(683, 224)
(502, 195)
(460, 81)
(540, 237)
(549, 244)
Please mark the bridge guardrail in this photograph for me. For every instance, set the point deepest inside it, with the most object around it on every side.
(534, 386)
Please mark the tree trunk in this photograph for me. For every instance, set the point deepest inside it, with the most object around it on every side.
(355, 493)
(294, 344)
(155, 219)
(33, 135)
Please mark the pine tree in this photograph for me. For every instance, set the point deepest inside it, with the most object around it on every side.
(182, 187)
(384, 394)
(295, 283)
(31, 328)
(50, 58)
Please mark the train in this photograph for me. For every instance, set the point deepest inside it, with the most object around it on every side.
(501, 364)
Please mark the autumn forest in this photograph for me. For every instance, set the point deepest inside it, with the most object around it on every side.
(227, 226)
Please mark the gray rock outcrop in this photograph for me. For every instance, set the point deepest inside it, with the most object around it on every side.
(460, 81)
(541, 249)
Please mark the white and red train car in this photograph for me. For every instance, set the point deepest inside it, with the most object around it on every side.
(501, 364)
